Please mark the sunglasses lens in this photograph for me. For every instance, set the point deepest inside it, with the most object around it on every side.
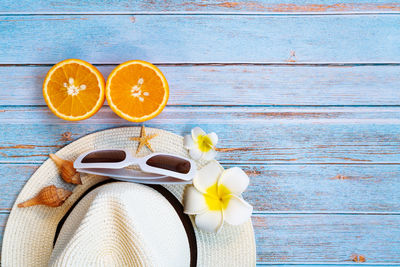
(105, 156)
(170, 163)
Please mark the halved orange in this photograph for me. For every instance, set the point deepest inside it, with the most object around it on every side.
(74, 89)
(137, 91)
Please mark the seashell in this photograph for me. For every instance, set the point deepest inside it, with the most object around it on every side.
(50, 196)
(67, 170)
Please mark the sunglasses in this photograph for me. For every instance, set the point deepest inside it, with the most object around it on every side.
(155, 168)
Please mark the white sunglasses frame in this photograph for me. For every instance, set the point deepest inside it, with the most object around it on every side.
(141, 162)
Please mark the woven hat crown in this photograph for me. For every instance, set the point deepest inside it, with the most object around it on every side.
(122, 224)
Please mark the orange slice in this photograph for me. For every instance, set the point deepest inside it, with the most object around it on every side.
(137, 91)
(74, 89)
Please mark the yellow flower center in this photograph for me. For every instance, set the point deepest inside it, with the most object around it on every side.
(204, 143)
(217, 197)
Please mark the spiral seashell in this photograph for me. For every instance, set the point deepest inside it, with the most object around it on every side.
(50, 196)
(67, 170)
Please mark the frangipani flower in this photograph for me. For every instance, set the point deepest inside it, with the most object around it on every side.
(200, 144)
(215, 197)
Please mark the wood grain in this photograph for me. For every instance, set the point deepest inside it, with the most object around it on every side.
(239, 85)
(252, 135)
(199, 38)
(209, 6)
(324, 176)
(320, 238)
(284, 188)
(332, 238)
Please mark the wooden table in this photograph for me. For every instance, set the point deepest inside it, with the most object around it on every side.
(304, 96)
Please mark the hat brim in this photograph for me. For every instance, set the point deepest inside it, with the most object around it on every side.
(29, 234)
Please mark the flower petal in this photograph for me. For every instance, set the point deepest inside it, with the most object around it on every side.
(238, 211)
(195, 153)
(196, 131)
(209, 155)
(194, 201)
(210, 221)
(235, 180)
(188, 141)
(207, 176)
(213, 137)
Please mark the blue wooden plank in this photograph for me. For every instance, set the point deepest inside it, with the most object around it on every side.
(324, 240)
(239, 85)
(284, 188)
(251, 135)
(273, 6)
(199, 38)
(321, 238)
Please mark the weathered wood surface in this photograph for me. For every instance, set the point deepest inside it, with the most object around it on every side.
(240, 85)
(324, 178)
(327, 238)
(355, 189)
(250, 134)
(322, 238)
(209, 6)
(199, 38)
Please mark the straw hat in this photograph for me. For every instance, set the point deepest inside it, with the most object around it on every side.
(107, 223)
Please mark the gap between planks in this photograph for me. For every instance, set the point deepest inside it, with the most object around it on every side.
(224, 63)
(194, 13)
(204, 7)
(248, 163)
(3, 107)
(301, 213)
(309, 264)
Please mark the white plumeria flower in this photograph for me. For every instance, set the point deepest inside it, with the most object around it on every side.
(200, 144)
(215, 197)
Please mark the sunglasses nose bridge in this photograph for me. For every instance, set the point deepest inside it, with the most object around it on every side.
(132, 160)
